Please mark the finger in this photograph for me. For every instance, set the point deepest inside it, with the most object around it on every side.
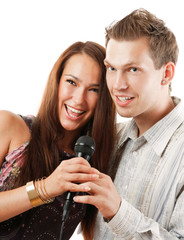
(87, 199)
(77, 168)
(100, 187)
(79, 177)
(64, 186)
(78, 188)
(75, 160)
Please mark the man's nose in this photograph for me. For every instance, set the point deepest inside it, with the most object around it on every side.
(120, 81)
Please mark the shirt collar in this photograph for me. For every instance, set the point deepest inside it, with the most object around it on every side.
(127, 130)
(159, 134)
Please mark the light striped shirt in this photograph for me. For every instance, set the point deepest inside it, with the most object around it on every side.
(150, 179)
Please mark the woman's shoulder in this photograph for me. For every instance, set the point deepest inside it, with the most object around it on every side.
(7, 122)
(13, 131)
(10, 121)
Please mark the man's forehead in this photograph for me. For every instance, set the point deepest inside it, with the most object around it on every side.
(126, 52)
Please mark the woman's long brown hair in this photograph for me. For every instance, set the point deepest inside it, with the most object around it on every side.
(42, 153)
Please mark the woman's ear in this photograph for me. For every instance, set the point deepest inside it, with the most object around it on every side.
(169, 70)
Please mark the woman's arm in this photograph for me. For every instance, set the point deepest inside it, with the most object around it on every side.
(13, 202)
(13, 133)
(64, 178)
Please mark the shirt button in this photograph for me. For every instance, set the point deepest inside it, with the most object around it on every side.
(134, 153)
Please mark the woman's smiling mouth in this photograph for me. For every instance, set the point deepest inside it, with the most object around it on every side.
(73, 112)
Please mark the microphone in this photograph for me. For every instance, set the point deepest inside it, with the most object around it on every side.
(84, 147)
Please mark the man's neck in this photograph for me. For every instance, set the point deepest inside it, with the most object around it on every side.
(146, 121)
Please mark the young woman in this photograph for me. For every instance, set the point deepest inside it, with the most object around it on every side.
(37, 159)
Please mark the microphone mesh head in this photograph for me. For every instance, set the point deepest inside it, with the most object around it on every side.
(85, 145)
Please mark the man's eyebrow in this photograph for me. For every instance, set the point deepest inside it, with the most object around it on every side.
(106, 62)
(128, 64)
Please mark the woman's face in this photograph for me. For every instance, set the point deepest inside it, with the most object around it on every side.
(78, 92)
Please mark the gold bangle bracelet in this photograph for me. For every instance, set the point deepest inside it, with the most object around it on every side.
(48, 198)
(34, 198)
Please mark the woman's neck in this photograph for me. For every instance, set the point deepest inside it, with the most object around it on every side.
(68, 141)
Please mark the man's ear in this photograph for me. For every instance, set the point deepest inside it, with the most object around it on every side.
(169, 70)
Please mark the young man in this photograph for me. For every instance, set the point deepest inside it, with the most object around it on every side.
(146, 200)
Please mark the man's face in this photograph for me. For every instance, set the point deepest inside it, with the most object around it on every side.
(133, 82)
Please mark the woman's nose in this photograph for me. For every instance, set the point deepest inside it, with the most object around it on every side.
(79, 96)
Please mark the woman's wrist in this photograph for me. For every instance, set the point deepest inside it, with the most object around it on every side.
(37, 193)
(33, 195)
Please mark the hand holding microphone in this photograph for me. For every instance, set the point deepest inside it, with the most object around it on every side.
(84, 147)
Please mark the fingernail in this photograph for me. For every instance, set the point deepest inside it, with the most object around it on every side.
(95, 176)
(87, 188)
(75, 199)
(95, 170)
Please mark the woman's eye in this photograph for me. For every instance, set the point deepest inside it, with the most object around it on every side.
(94, 90)
(71, 82)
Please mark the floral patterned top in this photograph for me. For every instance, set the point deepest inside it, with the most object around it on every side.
(42, 222)
(11, 168)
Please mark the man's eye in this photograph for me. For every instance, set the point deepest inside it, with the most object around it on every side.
(110, 68)
(133, 69)
(71, 82)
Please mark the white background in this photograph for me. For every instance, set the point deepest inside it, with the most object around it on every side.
(34, 33)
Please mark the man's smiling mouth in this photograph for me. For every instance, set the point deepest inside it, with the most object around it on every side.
(124, 99)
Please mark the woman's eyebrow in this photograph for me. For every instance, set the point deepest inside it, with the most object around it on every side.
(79, 80)
(70, 75)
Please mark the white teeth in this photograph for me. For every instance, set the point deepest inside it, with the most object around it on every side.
(124, 98)
(74, 110)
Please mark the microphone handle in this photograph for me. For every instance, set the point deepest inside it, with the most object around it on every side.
(69, 198)
(85, 156)
(70, 195)
(67, 205)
